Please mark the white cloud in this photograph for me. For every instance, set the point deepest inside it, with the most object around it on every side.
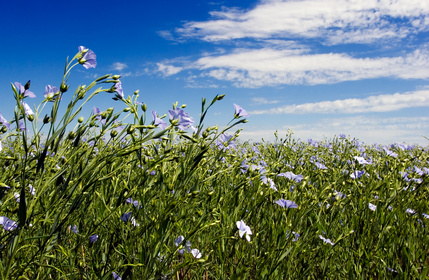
(118, 66)
(269, 67)
(368, 129)
(168, 70)
(334, 21)
(379, 103)
(262, 100)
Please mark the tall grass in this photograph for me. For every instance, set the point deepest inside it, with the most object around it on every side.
(108, 199)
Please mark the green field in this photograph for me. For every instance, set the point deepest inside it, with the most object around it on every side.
(132, 195)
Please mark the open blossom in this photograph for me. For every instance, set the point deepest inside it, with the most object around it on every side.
(93, 238)
(286, 203)
(88, 58)
(361, 160)
(240, 112)
(291, 176)
(224, 139)
(23, 90)
(4, 122)
(50, 92)
(7, 223)
(116, 276)
(326, 240)
(118, 89)
(357, 174)
(27, 109)
(185, 121)
(158, 121)
(244, 229)
(372, 206)
(196, 253)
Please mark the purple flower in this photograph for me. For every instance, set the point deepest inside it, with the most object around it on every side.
(93, 238)
(286, 203)
(240, 112)
(50, 92)
(116, 276)
(361, 160)
(357, 174)
(97, 115)
(390, 153)
(118, 89)
(32, 190)
(4, 122)
(410, 211)
(196, 253)
(185, 120)
(27, 109)
(7, 223)
(372, 206)
(179, 240)
(136, 203)
(244, 229)
(158, 121)
(23, 91)
(126, 216)
(326, 240)
(224, 142)
(289, 175)
(320, 165)
(88, 58)
(74, 229)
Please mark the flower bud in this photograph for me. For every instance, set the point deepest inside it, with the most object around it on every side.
(183, 106)
(27, 85)
(136, 92)
(144, 107)
(30, 117)
(4, 129)
(220, 97)
(46, 119)
(104, 115)
(92, 123)
(71, 135)
(113, 133)
(80, 119)
(127, 109)
(131, 129)
(116, 77)
(64, 87)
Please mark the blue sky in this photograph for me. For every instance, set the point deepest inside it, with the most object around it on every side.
(319, 68)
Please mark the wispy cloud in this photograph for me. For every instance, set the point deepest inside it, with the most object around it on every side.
(119, 66)
(168, 70)
(272, 67)
(334, 21)
(263, 101)
(379, 103)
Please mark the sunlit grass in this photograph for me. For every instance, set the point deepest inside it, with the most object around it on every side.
(108, 199)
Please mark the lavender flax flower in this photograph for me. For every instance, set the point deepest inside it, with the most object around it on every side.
(243, 229)
(240, 112)
(51, 92)
(116, 276)
(326, 240)
(158, 121)
(23, 90)
(27, 109)
(4, 122)
(7, 223)
(93, 238)
(286, 203)
(87, 58)
(184, 120)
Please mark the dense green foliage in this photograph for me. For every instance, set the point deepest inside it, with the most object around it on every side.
(109, 198)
